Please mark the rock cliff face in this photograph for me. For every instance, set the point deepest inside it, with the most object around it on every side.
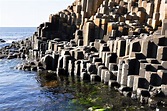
(118, 42)
(106, 19)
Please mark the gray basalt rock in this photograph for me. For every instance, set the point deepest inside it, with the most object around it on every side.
(113, 83)
(94, 78)
(85, 76)
(47, 62)
(2, 41)
(11, 56)
(117, 42)
(2, 56)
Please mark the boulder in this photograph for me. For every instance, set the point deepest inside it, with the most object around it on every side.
(2, 41)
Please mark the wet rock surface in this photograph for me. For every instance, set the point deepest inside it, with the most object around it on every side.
(2, 41)
(120, 43)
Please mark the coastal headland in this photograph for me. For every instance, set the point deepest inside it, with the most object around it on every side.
(122, 43)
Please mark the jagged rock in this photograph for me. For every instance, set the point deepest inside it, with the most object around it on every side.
(85, 76)
(23, 56)
(113, 83)
(124, 89)
(95, 78)
(3, 56)
(2, 41)
(26, 67)
(156, 92)
(11, 56)
(47, 62)
(144, 100)
(19, 66)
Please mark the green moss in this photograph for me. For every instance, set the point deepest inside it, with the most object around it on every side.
(96, 96)
(98, 108)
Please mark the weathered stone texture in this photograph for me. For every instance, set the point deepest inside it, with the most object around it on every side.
(112, 41)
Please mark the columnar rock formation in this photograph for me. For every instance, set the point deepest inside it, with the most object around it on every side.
(118, 42)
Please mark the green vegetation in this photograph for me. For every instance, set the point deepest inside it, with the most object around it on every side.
(90, 96)
(97, 97)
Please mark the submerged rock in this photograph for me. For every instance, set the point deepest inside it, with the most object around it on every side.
(103, 41)
(2, 56)
(2, 41)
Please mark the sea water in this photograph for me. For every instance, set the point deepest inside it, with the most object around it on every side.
(27, 91)
(20, 90)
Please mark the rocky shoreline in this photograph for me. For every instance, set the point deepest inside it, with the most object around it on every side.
(122, 43)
